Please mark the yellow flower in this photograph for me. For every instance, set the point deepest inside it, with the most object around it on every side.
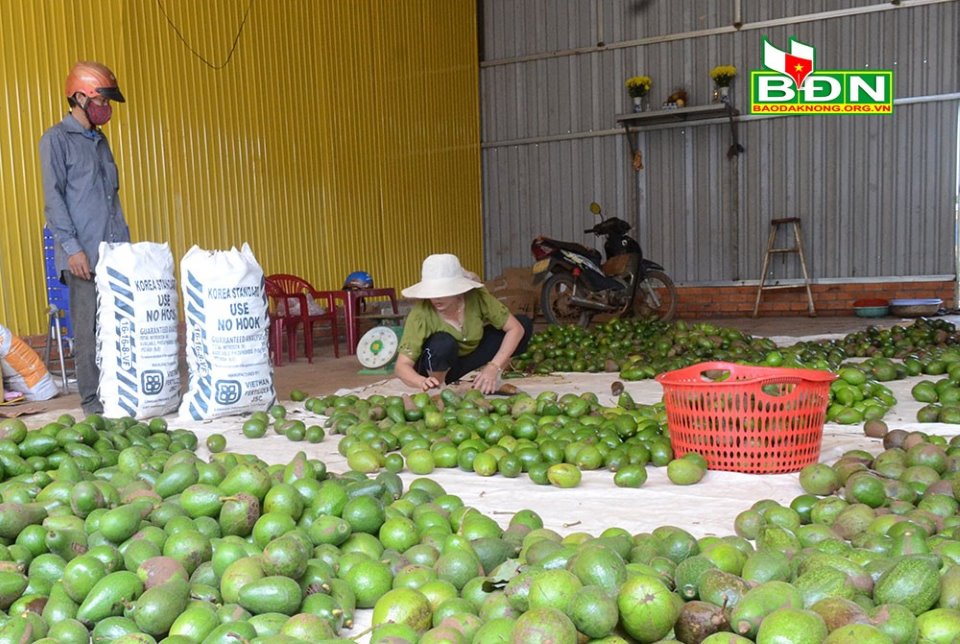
(639, 85)
(723, 74)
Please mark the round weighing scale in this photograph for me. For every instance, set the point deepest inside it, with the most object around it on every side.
(377, 349)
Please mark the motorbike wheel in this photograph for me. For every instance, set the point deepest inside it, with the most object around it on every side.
(556, 305)
(656, 297)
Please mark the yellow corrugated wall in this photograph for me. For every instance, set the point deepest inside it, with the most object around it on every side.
(341, 135)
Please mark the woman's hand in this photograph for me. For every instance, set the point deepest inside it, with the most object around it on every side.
(429, 383)
(404, 369)
(488, 380)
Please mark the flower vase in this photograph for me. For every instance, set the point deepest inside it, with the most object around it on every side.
(721, 93)
(640, 104)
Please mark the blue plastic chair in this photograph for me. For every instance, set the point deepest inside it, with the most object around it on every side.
(60, 326)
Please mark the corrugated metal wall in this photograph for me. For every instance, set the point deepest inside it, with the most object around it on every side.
(877, 194)
(339, 136)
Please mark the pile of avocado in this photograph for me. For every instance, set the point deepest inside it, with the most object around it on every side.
(864, 360)
(641, 349)
(549, 438)
(115, 530)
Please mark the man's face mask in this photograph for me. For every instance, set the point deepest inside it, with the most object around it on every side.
(98, 114)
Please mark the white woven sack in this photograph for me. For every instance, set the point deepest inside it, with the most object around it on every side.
(137, 349)
(228, 354)
(23, 370)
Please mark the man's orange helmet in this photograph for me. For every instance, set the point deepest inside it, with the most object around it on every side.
(93, 79)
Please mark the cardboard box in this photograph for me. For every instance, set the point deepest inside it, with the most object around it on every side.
(515, 288)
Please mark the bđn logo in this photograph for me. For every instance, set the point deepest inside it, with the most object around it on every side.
(790, 83)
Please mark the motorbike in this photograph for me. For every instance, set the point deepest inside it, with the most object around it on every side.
(578, 284)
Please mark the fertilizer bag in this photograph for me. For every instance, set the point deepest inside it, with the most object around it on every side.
(137, 347)
(225, 305)
(23, 370)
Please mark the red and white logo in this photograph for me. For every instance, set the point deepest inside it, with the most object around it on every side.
(797, 63)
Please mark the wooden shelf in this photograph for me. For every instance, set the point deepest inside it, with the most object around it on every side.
(693, 113)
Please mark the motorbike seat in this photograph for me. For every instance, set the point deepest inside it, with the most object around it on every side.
(617, 265)
(574, 247)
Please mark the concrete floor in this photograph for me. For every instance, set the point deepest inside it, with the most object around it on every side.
(327, 374)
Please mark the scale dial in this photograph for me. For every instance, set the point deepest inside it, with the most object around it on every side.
(377, 347)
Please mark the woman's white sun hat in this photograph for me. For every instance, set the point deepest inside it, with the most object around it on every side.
(441, 276)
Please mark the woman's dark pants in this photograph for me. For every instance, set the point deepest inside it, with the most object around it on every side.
(440, 351)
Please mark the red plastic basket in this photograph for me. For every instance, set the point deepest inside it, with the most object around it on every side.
(759, 420)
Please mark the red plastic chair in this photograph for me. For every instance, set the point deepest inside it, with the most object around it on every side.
(281, 323)
(293, 290)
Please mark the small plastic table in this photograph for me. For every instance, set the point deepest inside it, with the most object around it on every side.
(351, 305)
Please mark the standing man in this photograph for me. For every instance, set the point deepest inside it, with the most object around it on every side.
(82, 206)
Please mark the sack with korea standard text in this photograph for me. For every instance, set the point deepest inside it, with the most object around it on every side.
(228, 322)
(137, 348)
(23, 370)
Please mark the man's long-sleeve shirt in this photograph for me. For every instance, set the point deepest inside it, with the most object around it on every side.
(81, 191)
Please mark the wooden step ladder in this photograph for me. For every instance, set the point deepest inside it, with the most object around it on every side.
(797, 248)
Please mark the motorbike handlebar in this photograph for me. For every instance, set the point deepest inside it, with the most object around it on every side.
(589, 230)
